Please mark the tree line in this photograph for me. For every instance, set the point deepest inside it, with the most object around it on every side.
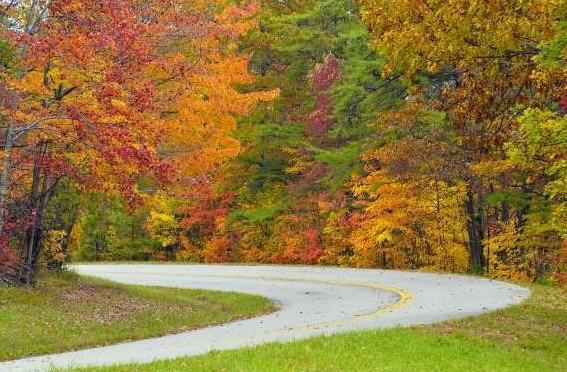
(386, 133)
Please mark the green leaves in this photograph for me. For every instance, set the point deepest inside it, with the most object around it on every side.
(6, 54)
(541, 149)
(258, 216)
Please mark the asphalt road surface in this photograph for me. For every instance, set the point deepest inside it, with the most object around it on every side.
(311, 301)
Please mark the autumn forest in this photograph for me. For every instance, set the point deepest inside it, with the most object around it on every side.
(403, 134)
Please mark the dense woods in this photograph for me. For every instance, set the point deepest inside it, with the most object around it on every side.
(380, 133)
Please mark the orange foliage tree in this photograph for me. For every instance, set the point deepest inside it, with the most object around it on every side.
(477, 64)
(114, 93)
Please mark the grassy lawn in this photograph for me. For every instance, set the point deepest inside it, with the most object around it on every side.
(67, 312)
(528, 337)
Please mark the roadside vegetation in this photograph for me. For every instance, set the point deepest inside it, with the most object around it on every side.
(68, 312)
(527, 337)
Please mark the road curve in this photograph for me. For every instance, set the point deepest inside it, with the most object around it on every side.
(312, 301)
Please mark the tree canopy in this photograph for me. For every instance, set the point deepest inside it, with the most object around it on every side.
(380, 133)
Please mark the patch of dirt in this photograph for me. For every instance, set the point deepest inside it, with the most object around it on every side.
(100, 304)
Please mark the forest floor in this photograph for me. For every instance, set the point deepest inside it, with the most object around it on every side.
(527, 337)
(67, 312)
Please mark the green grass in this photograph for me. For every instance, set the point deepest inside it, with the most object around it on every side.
(524, 338)
(67, 312)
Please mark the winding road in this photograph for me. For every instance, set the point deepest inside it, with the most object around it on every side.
(311, 301)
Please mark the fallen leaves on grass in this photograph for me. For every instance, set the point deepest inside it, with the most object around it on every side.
(100, 304)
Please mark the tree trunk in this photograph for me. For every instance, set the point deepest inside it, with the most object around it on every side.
(38, 204)
(521, 213)
(46, 192)
(475, 230)
(34, 196)
(68, 229)
(505, 211)
(6, 170)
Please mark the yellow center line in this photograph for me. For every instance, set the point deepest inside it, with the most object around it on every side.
(405, 298)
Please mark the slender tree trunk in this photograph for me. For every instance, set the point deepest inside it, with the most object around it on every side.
(38, 204)
(505, 211)
(6, 171)
(46, 192)
(522, 212)
(34, 196)
(475, 231)
(68, 228)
